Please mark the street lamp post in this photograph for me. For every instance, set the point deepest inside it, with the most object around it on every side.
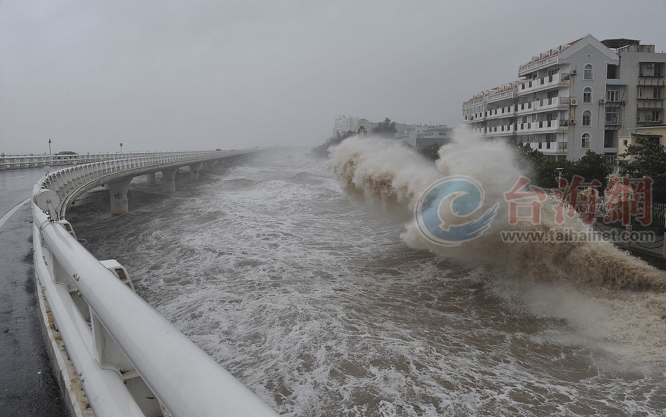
(121, 147)
(559, 176)
(49, 146)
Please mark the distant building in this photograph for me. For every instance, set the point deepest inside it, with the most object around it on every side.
(654, 133)
(584, 95)
(344, 124)
(364, 126)
(414, 135)
(440, 135)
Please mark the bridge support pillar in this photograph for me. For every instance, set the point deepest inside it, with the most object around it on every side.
(150, 178)
(194, 170)
(169, 177)
(119, 201)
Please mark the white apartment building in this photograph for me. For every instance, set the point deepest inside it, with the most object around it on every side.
(584, 95)
(420, 136)
(344, 124)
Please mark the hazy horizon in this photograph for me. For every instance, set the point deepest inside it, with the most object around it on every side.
(158, 75)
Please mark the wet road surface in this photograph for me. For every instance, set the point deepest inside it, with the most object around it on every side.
(28, 386)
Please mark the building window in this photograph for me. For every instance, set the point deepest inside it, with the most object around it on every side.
(588, 72)
(613, 96)
(613, 116)
(609, 138)
(585, 143)
(587, 95)
(654, 115)
(650, 116)
(587, 115)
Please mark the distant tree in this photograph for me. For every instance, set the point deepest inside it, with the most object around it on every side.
(430, 151)
(542, 171)
(527, 157)
(593, 166)
(386, 128)
(649, 160)
(322, 150)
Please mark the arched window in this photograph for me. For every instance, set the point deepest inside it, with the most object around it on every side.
(588, 72)
(585, 142)
(587, 95)
(587, 115)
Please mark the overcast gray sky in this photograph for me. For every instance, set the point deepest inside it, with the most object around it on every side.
(204, 74)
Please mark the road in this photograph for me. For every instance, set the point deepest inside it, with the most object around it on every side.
(28, 386)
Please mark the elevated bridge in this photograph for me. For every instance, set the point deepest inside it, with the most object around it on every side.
(114, 354)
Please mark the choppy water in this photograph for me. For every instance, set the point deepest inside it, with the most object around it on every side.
(315, 301)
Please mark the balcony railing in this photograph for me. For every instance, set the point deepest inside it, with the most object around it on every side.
(652, 81)
(503, 95)
(501, 112)
(544, 83)
(525, 107)
(543, 105)
(551, 148)
(502, 129)
(535, 65)
(542, 126)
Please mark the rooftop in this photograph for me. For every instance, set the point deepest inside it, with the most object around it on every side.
(620, 43)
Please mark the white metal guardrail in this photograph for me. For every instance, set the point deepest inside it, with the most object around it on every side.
(129, 359)
(71, 182)
(32, 161)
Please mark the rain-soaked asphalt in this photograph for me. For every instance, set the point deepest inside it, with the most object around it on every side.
(28, 386)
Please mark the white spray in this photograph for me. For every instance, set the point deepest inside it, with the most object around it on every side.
(392, 175)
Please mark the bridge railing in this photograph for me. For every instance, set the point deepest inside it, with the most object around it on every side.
(69, 182)
(31, 161)
(131, 361)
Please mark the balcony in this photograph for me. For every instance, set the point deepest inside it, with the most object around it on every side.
(476, 117)
(645, 81)
(551, 103)
(550, 148)
(547, 104)
(651, 70)
(656, 122)
(644, 99)
(473, 102)
(501, 112)
(537, 65)
(644, 103)
(545, 126)
(502, 95)
(544, 83)
(556, 148)
(501, 130)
